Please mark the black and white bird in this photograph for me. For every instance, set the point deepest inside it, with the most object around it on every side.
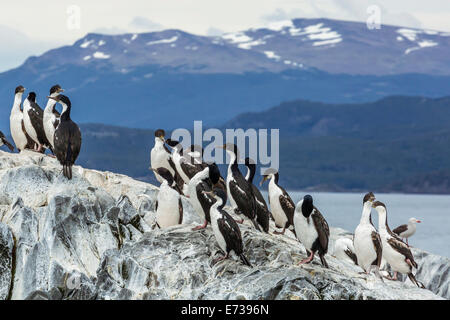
(186, 165)
(5, 142)
(281, 205)
(344, 250)
(311, 229)
(161, 157)
(67, 138)
(16, 124)
(33, 117)
(226, 230)
(367, 241)
(239, 190)
(51, 116)
(205, 180)
(395, 251)
(407, 230)
(169, 209)
(263, 214)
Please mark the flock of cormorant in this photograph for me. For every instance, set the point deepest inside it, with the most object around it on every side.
(183, 172)
(36, 129)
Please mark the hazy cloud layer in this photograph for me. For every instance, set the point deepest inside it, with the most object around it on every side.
(38, 28)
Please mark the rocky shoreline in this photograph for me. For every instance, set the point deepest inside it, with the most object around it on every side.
(93, 238)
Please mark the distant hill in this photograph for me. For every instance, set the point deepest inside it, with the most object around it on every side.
(171, 78)
(397, 144)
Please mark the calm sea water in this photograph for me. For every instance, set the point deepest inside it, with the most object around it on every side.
(344, 210)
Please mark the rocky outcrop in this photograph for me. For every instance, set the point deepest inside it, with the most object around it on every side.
(93, 238)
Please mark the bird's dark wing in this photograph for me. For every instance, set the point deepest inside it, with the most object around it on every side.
(376, 239)
(322, 228)
(258, 196)
(180, 208)
(205, 201)
(400, 229)
(231, 233)
(190, 169)
(288, 206)
(403, 249)
(351, 255)
(56, 119)
(36, 115)
(243, 196)
(75, 143)
(262, 211)
(6, 142)
(67, 143)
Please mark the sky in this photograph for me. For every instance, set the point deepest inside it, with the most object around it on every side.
(30, 27)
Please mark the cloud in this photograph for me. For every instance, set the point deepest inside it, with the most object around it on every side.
(352, 10)
(110, 30)
(212, 31)
(143, 24)
(19, 47)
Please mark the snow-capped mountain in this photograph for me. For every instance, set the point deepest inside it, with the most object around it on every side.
(170, 78)
(348, 47)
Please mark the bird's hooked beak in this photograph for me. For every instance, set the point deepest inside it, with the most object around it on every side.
(263, 180)
(210, 193)
(60, 90)
(418, 221)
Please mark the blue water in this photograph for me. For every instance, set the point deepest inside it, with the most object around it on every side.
(344, 210)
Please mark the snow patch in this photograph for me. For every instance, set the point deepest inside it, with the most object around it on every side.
(86, 58)
(272, 55)
(249, 45)
(280, 25)
(101, 55)
(399, 38)
(86, 44)
(169, 40)
(101, 43)
(237, 37)
(427, 43)
(134, 37)
(422, 44)
(409, 34)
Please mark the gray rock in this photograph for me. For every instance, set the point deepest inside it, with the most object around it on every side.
(92, 238)
(6, 260)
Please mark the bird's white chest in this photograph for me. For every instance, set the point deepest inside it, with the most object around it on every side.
(218, 235)
(28, 125)
(15, 123)
(364, 246)
(409, 232)
(49, 128)
(230, 178)
(167, 213)
(305, 229)
(275, 206)
(177, 159)
(392, 256)
(192, 191)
